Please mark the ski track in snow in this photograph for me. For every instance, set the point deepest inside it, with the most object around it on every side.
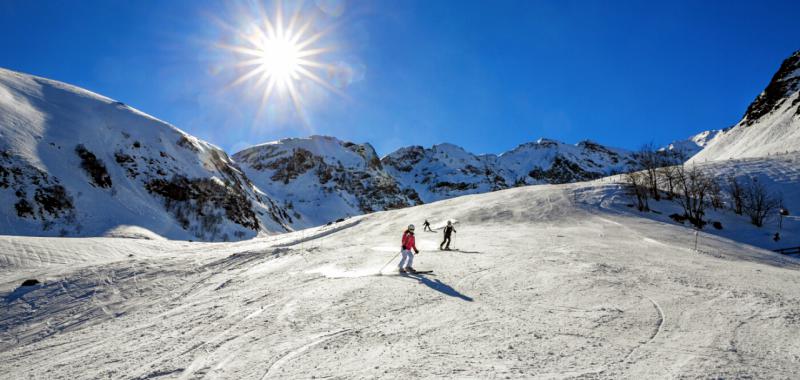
(299, 351)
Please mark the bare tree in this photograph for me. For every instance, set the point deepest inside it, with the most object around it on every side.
(667, 179)
(638, 187)
(736, 191)
(649, 160)
(693, 188)
(715, 195)
(758, 203)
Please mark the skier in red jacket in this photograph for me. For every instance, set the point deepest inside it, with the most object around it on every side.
(409, 244)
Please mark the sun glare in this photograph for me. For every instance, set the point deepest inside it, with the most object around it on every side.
(276, 57)
(279, 59)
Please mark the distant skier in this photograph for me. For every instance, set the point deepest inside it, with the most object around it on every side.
(407, 256)
(426, 226)
(447, 232)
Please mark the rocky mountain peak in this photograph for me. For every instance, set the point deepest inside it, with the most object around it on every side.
(784, 83)
(771, 124)
(321, 178)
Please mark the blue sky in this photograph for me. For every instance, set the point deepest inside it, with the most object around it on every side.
(486, 75)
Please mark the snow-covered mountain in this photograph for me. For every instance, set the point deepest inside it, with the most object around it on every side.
(446, 171)
(321, 179)
(74, 163)
(693, 145)
(771, 124)
(443, 171)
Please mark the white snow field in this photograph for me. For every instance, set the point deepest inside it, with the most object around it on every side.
(551, 281)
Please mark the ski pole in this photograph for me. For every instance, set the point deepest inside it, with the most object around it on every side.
(389, 262)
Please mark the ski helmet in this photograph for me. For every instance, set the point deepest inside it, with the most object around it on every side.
(449, 223)
(411, 227)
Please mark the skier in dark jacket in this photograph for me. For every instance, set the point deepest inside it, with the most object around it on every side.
(426, 226)
(447, 232)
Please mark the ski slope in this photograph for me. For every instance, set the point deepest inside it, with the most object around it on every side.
(551, 281)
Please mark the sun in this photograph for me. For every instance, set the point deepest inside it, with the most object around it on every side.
(276, 57)
(279, 59)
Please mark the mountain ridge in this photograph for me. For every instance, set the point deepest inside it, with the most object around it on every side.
(769, 126)
(76, 163)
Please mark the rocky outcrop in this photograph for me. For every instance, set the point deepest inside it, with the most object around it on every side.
(784, 83)
(320, 179)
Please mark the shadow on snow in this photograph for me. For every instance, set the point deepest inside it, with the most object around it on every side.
(438, 286)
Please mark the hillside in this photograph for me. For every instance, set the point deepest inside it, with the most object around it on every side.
(771, 124)
(552, 281)
(74, 163)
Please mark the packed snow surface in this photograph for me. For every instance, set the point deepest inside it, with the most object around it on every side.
(551, 281)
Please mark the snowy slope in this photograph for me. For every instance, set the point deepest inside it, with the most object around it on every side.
(552, 281)
(445, 171)
(771, 124)
(779, 175)
(321, 179)
(75, 163)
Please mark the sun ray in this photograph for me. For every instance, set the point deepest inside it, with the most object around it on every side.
(265, 96)
(315, 64)
(300, 32)
(293, 20)
(310, 40)
(298, 106)
(279, 20)
(313, 52)
(245, 77)
(320, 81)
(242, 50)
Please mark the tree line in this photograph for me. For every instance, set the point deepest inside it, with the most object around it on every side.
(662, 174)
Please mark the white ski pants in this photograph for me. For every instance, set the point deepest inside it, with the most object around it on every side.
(406, 260)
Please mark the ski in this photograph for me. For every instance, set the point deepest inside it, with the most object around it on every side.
(419, 272)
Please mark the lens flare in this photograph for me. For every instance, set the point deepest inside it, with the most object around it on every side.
(277, 57)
